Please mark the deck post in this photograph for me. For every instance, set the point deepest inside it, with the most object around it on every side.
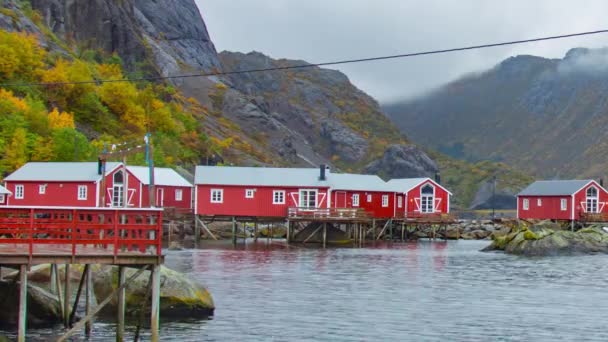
(197, 231)
(22, 303)
(155, 312)
(402, 231)
(120, 314)
(374, 228)
(288, 231)
(87, 295)
(234, 230)
(67, 295)
(324, 234)
(255, 231)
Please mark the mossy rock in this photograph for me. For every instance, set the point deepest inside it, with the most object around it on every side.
(179, 295)
(42, 307)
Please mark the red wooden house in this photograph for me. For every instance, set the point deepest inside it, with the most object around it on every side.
(369, 192)
(561, 200)
(420, 196)
(4, 194)
(79, 184)
(258, 191)
(172, 190)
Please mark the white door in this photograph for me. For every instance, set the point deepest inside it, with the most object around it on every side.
(160, 197)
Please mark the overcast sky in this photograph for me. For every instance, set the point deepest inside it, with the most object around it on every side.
(326, 30)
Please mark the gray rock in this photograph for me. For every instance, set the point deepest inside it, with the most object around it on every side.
(343, 142)
(403, 161)
(42, 307)
(486, 197)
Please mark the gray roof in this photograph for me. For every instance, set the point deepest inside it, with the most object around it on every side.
(260, 176)
(4, 191)
(554, 187)
(349, 181)
(59, 172)
(407, 184)
(162, 176)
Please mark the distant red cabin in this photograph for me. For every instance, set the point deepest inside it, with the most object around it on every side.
(4, 195)
(420, 196)
(561, 200)
(78, 184)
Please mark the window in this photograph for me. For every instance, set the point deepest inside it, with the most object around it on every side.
(278, 197)
(18, 191)
(539, 202)
(42, 189)
(369, 198)
(249, 193)
(118, 190)
(592, 199)
(385, 200)
(399, 202)
(427, 199)
(355, 200)
(564, 204)
(526, 204)
(217, 196)
(178, 194)
(308, 199)
(1, 198)
(82, 192)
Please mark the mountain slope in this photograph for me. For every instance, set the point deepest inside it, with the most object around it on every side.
(544, 116)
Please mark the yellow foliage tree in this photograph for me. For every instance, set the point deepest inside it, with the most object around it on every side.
(21, 54)
(15, 154)
(60, 119)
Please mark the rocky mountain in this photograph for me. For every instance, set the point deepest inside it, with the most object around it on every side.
(299, 117)
(545, 116)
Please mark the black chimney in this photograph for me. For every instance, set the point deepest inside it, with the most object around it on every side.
(602, 182)
(99, 166)
(322, 172)
(438, 177)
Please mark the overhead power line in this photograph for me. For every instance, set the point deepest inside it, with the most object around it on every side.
(310, 65)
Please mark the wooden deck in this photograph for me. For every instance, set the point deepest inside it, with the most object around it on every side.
(352, 215)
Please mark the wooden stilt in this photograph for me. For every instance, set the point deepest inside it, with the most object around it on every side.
(155, 314)
(142, 311)
(312, 234)
(234, 230)
(288, 231)
(67, 295)
(59, 291)
(78, 292)
(87, 295)
(324, 234)
(197, 230)
(255, 232)
(120, 314)
(374, 229)
(53, 279)
(22, 303)
(402, 232)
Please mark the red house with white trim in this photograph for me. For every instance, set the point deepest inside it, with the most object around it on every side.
(561, 200)
(421, 196)
(258, 191)
(4, 194)
(79, 184)
(369, 192)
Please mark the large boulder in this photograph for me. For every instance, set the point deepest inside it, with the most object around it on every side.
(550, 239)
(42, 307)
(179, 295)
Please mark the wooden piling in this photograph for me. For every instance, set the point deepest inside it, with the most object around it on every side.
(234, 230)
(22, 303)
(78, 293)
(67, 295)
(288, 231)
(120, 314)
(324, 234)
(197, 231)
(255, 231)
(402, 231)
(53, 279)
(374, 229)
(155, 312)
(87, 295)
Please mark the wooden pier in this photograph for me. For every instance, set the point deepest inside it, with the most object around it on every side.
(127, 238)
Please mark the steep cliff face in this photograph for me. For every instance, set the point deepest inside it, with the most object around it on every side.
(545, 116)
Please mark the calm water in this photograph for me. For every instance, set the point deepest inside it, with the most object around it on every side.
(425, 291)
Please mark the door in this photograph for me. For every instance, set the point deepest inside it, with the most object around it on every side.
(160, 197)
(118, 193)
(340, 199)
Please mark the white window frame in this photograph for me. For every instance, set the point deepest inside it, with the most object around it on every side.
(179, 195)
(592, 202)
(539, 202)
(281, 197)
(216, 195)
(2, 198)
(564, 204)
(356, 200)
(42, 189)
(526, 204)
(369, 198)
(82, 192)
(399, 202)
(19, 191)
(384, 201)
(306, 204)
(249, 193)
(427, 201)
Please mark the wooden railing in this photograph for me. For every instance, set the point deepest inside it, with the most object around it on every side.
(427, 217)
(329, 213)
(594, 217)
(110, 230)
